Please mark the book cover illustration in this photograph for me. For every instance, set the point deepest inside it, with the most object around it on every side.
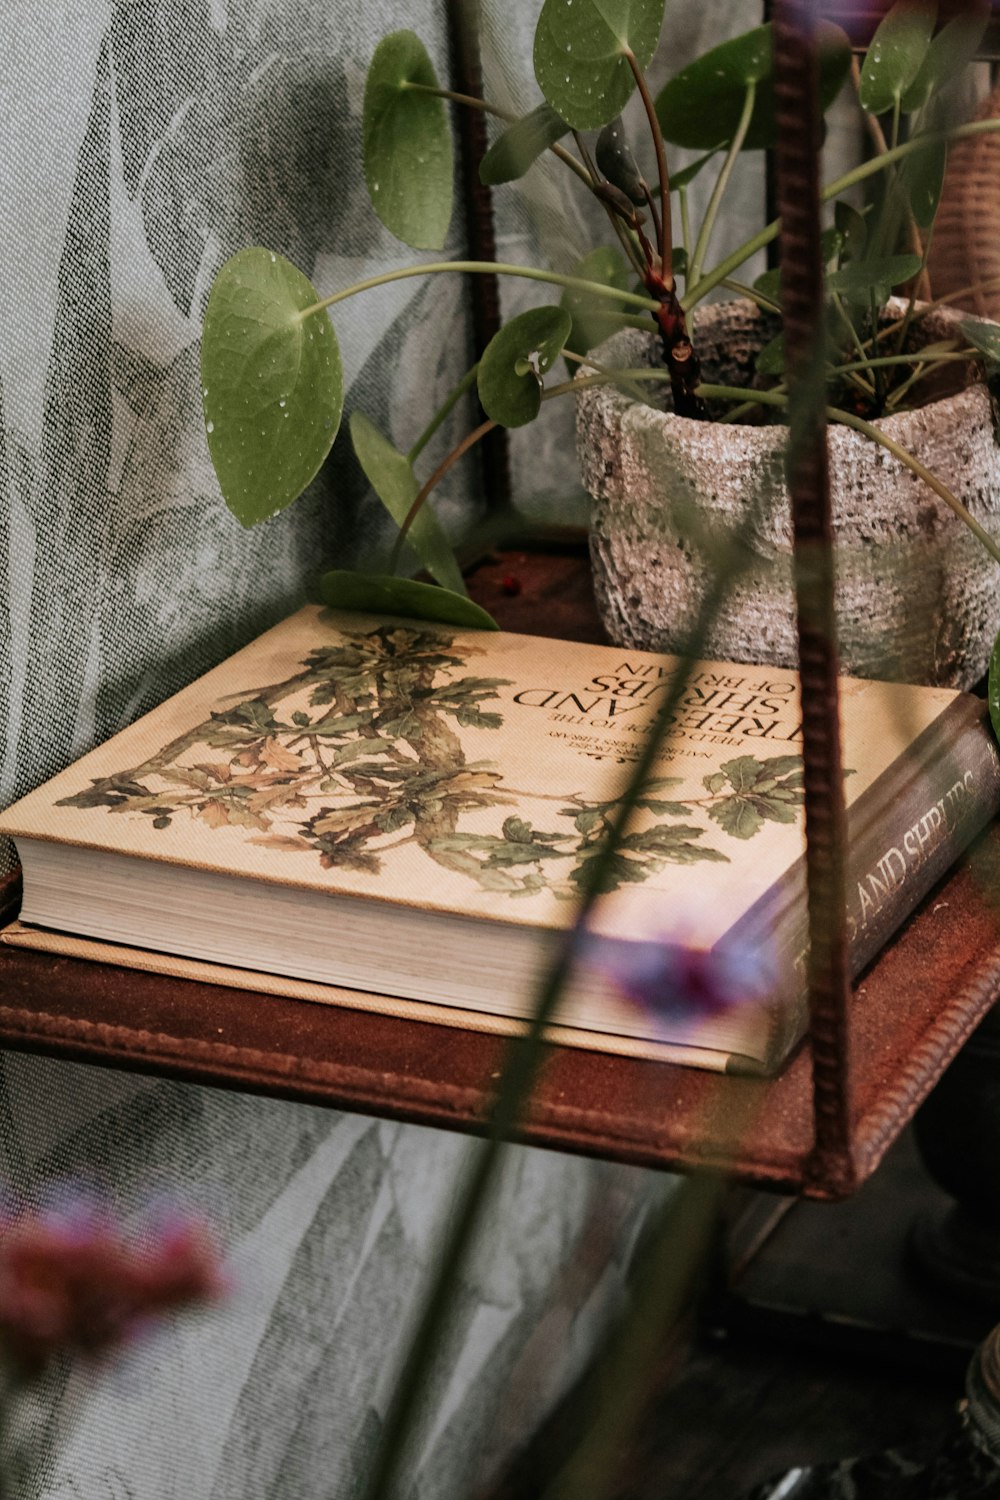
(358, 753)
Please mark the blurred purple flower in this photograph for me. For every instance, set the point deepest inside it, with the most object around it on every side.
(680, 984)
(71, 1283)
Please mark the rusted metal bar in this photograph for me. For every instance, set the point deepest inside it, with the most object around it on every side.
(484, 291)
(797, 162)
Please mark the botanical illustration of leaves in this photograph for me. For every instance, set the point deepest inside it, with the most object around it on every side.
(738, 816)
(669, 842)
(343, 820)
(477, 718)
(394, 818)
(243, 816)
(284, 841)
(763, 791)
(276, 755)
(215, 814)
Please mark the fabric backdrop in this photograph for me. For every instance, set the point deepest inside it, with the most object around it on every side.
(142, 142)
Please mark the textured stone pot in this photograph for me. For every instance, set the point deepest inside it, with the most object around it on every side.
(918, 597)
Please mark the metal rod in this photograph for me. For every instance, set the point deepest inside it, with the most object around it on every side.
(797, 161)
(464, 32)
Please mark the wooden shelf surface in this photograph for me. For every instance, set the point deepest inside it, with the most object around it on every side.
(913, 1009)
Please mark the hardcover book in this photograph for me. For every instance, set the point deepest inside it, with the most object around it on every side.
(364, 809)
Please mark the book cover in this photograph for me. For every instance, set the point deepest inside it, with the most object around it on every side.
(469, 774)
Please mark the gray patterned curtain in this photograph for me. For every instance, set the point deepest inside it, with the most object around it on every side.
(142, 142)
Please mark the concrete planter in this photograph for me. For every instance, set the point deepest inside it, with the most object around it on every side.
(918, 597)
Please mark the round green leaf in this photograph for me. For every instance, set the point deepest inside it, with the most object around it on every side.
(581, 55)
(512, 153)
(514, 361)
(383, 594)
(391, 475)
(954, 46)
(896, 54)
(407, 143)
(272, 382)
(703, 103)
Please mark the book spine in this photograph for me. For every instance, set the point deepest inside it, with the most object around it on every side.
(904, 833)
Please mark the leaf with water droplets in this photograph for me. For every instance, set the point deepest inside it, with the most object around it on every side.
(383, 594)
(523, 142)
(896, 54)
(272, 380)
(954, 46)
(703, 103)
(391, 475)
(581, 55)
(407, 143)
(514, 361)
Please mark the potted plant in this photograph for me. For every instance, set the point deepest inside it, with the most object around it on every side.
(677, 408)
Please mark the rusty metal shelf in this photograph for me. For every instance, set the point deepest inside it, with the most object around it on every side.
(911, 1012)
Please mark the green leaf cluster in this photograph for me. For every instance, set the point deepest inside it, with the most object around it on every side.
(272, 377)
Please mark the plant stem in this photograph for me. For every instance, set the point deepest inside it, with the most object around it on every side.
(614, 377)
(737, 393)
(682, 198)
(848, 323)
(449, 460)
(742, 290)
(467, 381)
(625, 238)
(666, 229)
(721, 183)
(942, 357)
(925, 368)
(841, 184)
(603, 376)
(654, 214)
(739, 412)
(486, 268)
(879, 387)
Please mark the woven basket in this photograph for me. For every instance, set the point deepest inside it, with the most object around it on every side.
(965, 249)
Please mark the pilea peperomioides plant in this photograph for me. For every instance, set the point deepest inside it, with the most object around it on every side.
(272, 377)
